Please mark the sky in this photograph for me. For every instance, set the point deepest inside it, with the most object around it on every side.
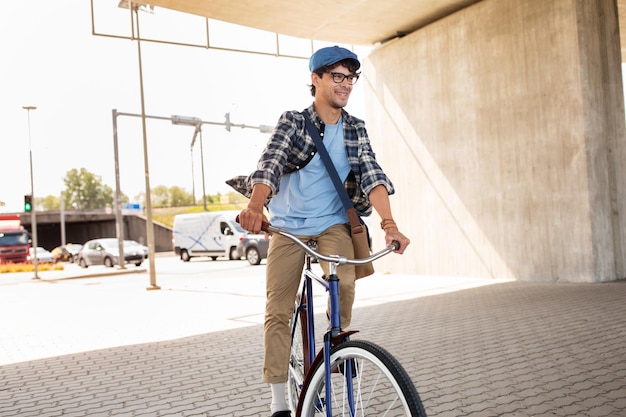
(50, 59)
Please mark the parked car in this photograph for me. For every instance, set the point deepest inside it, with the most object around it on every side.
(106, 252)
(253, 248)
(66, 253)
(43, 255)
(134, 243)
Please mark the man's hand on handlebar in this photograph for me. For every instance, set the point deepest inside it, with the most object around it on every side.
(252, 220)
(394, 234)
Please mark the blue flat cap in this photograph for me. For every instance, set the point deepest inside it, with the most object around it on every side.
(330, 55)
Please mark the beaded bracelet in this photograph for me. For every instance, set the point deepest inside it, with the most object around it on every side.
(387, 224)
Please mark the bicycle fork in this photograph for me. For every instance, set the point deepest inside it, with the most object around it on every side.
(332, 338)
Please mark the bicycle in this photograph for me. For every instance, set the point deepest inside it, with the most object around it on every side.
(346, 377)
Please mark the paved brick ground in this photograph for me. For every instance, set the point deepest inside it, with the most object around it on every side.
(512, 349)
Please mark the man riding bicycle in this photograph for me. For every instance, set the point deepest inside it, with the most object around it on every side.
(292, 182)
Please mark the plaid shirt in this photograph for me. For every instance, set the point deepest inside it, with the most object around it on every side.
(290, 148)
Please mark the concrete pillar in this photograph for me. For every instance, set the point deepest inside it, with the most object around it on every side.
(502, 127)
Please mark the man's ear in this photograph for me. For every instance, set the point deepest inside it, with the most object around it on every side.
(314, 79)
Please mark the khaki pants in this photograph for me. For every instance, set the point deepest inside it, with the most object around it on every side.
(285, 262)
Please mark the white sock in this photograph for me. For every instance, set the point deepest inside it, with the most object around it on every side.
(278, 397)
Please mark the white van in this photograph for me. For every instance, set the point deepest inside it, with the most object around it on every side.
(210, 234)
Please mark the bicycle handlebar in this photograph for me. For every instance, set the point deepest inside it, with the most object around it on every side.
(337, 259)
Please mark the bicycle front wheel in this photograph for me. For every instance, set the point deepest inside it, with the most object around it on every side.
(377, 385)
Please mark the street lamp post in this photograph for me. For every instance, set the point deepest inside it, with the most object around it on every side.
(197, 133)
(193, 180)
(119, 219)
(33, 211)
(134, 9)
(199, 129)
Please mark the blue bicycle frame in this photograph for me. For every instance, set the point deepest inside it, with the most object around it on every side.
(332, 287)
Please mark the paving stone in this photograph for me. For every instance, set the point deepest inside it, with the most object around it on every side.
(513, 349)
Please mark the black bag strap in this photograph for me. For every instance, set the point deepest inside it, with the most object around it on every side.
(355, 222)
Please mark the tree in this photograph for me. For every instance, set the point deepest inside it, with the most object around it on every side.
(174, 196)
(159, 196)
(84, 190)
(179, 197)
(49, 202)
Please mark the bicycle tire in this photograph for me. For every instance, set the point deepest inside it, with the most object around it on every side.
(381, 386)
(297, 363)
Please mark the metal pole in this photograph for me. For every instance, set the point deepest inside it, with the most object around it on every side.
(193, 180)
(62, 208)
(119, 219)
(193, 174)
(33, 212)
(202, 166)
(149, 222)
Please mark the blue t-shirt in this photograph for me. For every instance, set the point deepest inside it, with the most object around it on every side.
(307, 202)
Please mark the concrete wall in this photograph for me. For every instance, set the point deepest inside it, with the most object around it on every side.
(502, 127)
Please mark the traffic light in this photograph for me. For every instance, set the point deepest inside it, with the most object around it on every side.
(28, 202)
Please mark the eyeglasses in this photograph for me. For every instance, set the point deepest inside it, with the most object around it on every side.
(339, 77)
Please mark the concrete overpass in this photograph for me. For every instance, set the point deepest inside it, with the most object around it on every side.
(81, 226)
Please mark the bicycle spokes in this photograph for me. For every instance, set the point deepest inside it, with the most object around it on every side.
(365, 381)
